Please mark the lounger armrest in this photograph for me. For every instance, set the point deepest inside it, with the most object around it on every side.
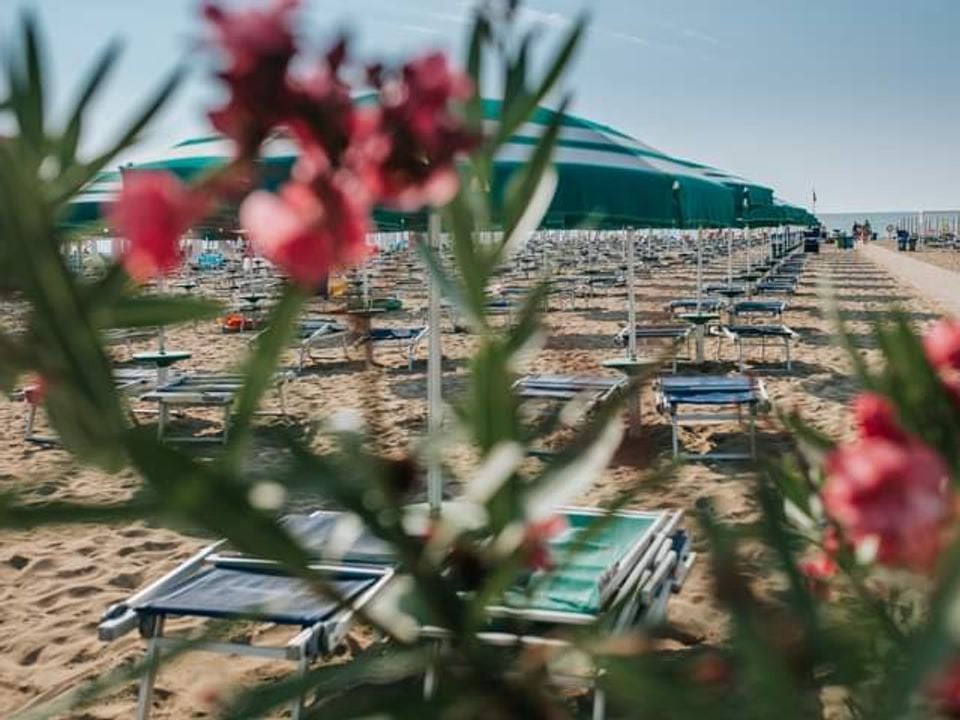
(117, 622)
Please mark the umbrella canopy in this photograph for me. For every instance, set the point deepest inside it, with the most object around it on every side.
(776, 214)
(606, 178)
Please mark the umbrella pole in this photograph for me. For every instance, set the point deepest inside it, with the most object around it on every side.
(434, 375)
(699, 266)
(729, 259)
(631, 303)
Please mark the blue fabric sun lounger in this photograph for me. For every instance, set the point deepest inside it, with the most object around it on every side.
(564, 388)
(617, 569)
(704, 394)
(677, 334)
(708, 305)
(217, 585)
(759, 335)
(755, 308)
(211, 391)
(317, 333)
(406, 339)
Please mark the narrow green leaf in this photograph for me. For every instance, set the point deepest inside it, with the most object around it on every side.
(150, 311)
(67, 151)
(260, 366)
(77, 176)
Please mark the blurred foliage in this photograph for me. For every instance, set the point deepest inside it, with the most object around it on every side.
(783, 650)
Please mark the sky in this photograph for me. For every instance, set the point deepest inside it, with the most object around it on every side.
(855, 98)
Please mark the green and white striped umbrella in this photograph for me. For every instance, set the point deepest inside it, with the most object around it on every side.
(605, 176)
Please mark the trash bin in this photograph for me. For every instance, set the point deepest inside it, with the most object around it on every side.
(913, 244)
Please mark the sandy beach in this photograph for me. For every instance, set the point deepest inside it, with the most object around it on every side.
(56, 582)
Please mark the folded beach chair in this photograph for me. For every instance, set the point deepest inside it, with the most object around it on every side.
(619, 569)
(761, 335)
(677, 334)
(709, 400)
(205, 391)
(217, 585)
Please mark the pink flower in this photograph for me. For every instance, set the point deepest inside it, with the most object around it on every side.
(307, 230)
(153, 211)
(35, 391)
(819, 570)
(258, 45)
(876, 418)
(536, 541)
(425, 136)
(944, 691)
(942, 344)
(894, 494)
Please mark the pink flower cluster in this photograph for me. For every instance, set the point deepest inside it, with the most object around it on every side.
(888, 491)
(399, 153)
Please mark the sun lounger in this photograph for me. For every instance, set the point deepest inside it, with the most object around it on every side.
(677, 334)
(775, 287)
(759, 335)
(129, 382)
(618, 570)
(706, 305)
(709, 399)
(405, 339)
(205, 391)
(757, 308)
(318, 333)
(217, 585)
(564, 388)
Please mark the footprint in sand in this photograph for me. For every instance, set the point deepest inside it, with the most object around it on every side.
(18, 562)
(127, 581)
(31, 657)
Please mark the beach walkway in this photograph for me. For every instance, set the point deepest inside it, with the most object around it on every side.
(934, 283)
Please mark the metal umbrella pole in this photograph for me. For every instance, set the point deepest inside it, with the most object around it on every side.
(631, 302)
(434, 377)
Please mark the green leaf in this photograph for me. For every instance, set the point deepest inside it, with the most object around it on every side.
(525, 187)
(150, 311)
(449, 287)
(32, 102)
(470, 261)
(67, 150)
(14, 515)
(75, 177)
(259, 368)
(528, 322)
(520, 110)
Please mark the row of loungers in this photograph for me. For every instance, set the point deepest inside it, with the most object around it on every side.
(687, 400)
(635, 561)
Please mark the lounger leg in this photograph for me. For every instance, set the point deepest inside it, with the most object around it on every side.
(740, 353)
(296, 709)
(31, 418)
(149, 677)
(676, 431)
(161, 420)
(599, 704)
(789, 360)
(430, 676)
(753, 434)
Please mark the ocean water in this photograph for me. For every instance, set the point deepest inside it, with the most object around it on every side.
(932, 221)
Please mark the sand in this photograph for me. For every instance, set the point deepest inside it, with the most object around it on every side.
(56, 582)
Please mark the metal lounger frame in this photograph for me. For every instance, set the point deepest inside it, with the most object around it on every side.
(317, 640)
(678, 419)
(639, 588)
